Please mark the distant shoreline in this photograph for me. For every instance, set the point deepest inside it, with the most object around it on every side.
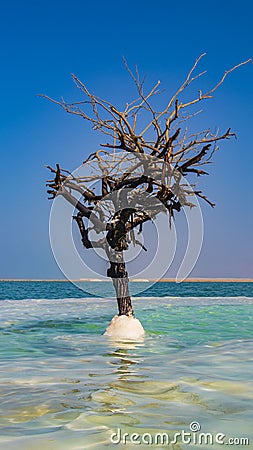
(164, 280)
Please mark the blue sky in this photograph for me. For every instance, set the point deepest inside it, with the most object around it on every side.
(43, 42)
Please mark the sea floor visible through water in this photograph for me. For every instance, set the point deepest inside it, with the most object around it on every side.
(65, 386)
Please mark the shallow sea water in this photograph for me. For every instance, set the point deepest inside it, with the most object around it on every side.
(66, 386)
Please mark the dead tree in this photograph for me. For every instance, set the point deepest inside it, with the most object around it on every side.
(139, 170)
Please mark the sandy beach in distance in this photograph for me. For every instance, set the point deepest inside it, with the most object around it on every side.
(163, 280)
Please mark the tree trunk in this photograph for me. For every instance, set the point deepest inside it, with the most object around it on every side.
(119, 276)
(123, 296)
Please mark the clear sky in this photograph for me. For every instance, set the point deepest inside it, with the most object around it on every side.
(43, 42)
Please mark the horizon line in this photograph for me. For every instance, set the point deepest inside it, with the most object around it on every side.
(163, 280)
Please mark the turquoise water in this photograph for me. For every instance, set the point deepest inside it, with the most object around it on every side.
(66, 386)
(36, 290)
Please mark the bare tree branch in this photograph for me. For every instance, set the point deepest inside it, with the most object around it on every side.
(136, 177)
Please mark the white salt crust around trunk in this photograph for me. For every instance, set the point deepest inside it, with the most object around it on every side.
(125, 327)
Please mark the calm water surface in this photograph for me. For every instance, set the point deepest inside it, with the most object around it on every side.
(65, 386)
